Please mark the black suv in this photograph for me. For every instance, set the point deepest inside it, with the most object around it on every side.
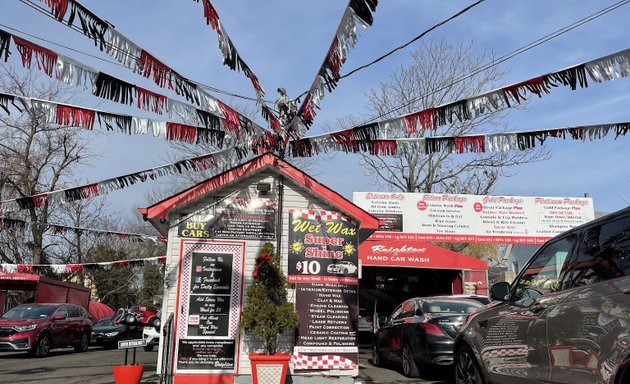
(564, 319)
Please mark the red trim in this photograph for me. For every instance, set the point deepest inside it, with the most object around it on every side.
(161, 209)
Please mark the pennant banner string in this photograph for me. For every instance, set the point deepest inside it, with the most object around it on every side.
(59, 229)
(140, 61)
(233, 59)
(193, 164)
(109, 87)
(79, 267)
(495, 142)
(345, 38)
(606, 68)
(84, 117)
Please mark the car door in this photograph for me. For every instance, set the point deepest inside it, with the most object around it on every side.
(59, 326)
(400, 331)
(589, 331)
(75, 325)
(384, 337)
(514, 347)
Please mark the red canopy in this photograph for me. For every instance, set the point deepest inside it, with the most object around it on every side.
(99, 310)
(397, 251)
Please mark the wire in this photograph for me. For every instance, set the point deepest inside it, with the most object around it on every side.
(468, 8)
(111, 47)
(510, 55)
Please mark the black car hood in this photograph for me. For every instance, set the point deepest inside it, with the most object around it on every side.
(109, 328)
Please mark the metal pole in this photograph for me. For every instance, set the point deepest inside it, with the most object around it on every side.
(134, 355)
(126, 353)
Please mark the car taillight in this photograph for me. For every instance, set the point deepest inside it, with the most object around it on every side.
(431, 329)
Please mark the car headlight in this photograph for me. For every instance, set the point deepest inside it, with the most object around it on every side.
(111, 334)
(22, 328)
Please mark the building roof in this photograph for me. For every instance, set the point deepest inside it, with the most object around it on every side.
(158, 212)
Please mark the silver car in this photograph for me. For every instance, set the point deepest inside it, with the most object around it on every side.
(564, 319)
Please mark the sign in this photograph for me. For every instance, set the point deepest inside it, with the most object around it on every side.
(210, 299)
(328, 321)
(323, 247)
(131, 343)
(241, 217)
(476, 218)
(207, 355)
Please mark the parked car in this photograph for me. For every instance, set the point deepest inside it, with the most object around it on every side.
(485, 300)
(342, 267)
(37, 328)
(365, 321)
(564, 319)
(107, 334)
(421, 331)
(152, 336)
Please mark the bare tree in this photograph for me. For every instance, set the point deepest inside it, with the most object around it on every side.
(430, 81)
(38, 157)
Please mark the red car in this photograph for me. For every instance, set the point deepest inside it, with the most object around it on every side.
(37, 328)
(140, 315)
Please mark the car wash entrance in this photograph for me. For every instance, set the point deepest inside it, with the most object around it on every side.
(395, 267)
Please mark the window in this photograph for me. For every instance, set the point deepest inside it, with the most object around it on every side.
(604, 254)
(74, 311)
(409, 309)
(397, 313)
(62, 311)
(543, 275)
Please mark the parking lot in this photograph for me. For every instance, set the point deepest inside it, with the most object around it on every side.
(64, 366)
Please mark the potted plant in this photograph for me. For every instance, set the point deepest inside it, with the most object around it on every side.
(267, 315)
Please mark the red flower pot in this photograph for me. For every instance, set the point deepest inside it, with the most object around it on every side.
(128, 374)
(269, 369)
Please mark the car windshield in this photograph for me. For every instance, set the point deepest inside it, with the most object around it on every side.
(29, 312)
(104, 322)
(464, 306)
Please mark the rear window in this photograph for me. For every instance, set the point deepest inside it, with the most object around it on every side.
(451, 306)
(28, 312)
(104, 322)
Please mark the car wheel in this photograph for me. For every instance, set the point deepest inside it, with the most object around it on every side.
(624, 375)
(376, 356)
(410, 368)
(42, 346)
(83, 344)
(467, 369)
(148, 348)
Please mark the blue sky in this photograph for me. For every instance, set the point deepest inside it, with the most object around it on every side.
(284, 43)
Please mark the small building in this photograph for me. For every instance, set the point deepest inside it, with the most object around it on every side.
(214, 232)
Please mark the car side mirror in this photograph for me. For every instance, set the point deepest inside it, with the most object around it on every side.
(500, 291)
(59, 317)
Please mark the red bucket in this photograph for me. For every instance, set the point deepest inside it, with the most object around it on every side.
(128, 374)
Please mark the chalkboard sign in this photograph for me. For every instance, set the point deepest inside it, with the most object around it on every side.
(197, 354)
(211, 273)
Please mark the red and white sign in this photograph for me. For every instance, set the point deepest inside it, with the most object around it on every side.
(414, 254)
(478, 218)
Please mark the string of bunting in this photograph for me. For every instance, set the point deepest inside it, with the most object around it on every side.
(73, 268)
(235, 62)
(194, 164)
(377, 137)
(83, 117)
(357, 12)
(141, 62)
(494, 142)
(212, 114)
(6, 223)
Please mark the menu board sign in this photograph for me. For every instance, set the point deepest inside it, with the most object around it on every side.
(477, 218)
(328, 323)
(210, 298)
(323, 247)
(241, 217)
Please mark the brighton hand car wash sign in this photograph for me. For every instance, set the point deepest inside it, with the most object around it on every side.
(476, 218)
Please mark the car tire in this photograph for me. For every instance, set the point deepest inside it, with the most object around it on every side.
(376, 357)
(42, 347)
(467, 370)
(84, 343)
(148, 348)
(624, 375)
(410, 368)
